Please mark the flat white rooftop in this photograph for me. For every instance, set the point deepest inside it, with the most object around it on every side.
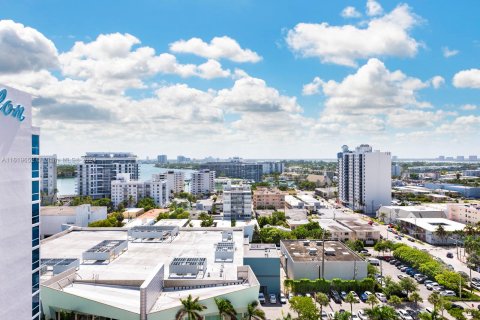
(431, 224)
(331, 225)
(141, 258)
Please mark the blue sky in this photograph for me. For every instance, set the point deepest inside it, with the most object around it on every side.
(387, 82)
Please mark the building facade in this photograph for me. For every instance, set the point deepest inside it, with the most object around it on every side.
(364, 178)
(99, 169)
(266, 198)
(237, 202)
(130, 192)
(48, 179)
(20, 207)
(175, 181)
(236, 169)
(269, 167)
(162, 158)
(264, 259)
(464, 213)
(202, 182)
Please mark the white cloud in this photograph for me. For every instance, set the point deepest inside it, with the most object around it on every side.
(374, 8)
(447, 53)
(313, 87)
(468, 107)
(437, 81)
(25, 49)
(218, 48)
(350, 12)
(467, 79)
(461, 125)
(387, 35)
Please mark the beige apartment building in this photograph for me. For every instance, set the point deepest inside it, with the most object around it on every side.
(266, 198)
(464, 213)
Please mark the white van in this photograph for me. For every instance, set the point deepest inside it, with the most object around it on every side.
(373, 261)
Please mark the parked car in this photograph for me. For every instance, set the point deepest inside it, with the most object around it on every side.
(475, 285)
(355, 295)
(455, 305)
(283, 299)
(324, 315)
(397, 263)
(475, 279)
(331, 315)
(431, 285)
(403, 269)
(426, 282)
(335, 296)
(448, 293)
(273, 299)
(413, 313)
(392, 261)
(343, 294)
(261, 298)
(364, 296)
(308, 295)
(411, 239)
(404, 314)
(449, 255)
(362, 314)
(438, 288)
(401, 276)
(380, 296)
(354, 317)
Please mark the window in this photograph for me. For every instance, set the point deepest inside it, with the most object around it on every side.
(35, 282)
(35, 190)
(35, 304)
(35, 145)
(35, 167)
(35, 236)
(35, 259)
(35, 213)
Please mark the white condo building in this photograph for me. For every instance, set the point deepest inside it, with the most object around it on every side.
(20, 207)
(95, 174)
(237, 202)
(202, 182)
(175, 181)
(129, 191)
(48, 179)
(364, 178)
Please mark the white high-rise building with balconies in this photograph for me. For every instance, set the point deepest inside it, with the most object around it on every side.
(202, 182)
(237, 202)
(175, 181)
(129, 192)
(19, 207)
(364, 178)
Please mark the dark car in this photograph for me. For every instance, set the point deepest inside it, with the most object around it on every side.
(397, 263)
(454, 305)
(392, 261)
(412, 313)
(449, 255)
(335, 296)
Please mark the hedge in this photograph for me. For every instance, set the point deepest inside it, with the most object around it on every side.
(321, 285)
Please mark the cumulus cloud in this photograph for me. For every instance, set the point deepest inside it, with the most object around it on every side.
(350, 12)
(218, 48)
(437, 81)
(447, 53)
(387, 35)
(468, 107)
(374, 8)
(461, 125)
(372, 99)
(313, 87)
(467, 79)
(25, 49)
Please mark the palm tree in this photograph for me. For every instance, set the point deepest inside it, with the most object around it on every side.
(438, 302)
(428, 315)
(415, 297)
(409, 285)
(130, 200)
(322, 300)
(225, 308)
(395, 301)
(191, 308)
(382, 216)
(254, 313)
(441, 232)
(350, 298)
(342, 316)
(372, 300)
(469, 230)
(381, 313)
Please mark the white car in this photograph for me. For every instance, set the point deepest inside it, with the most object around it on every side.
(290, 295)
(381, 297)
(331, 315)
(283, 299)
(261, 298)
(355, 317)
(448, 293)
(308, 295)
(273, 299)
(404, 314)
(431, 285)
(362, 314)
(324, 315)
(438, 288)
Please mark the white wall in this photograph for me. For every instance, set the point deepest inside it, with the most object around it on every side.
(378, 180)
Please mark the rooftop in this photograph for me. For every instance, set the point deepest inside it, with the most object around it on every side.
(261, 250)
(140, 259)
(331, 225)
(359, 226)
(63, 210)
(311, 250)
(431, 224)
(172, 222)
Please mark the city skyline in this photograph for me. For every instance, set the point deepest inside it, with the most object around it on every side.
(216, 79)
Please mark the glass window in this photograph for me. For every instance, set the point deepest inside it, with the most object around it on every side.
(35, 145)
(35, 259)
(35, 236)
(35, 213)
(35, 304)
(35, 282)
(35, 190)
(35, 167)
